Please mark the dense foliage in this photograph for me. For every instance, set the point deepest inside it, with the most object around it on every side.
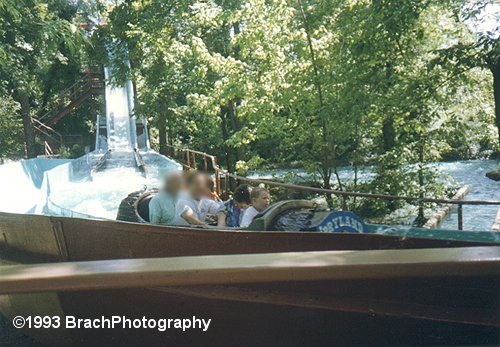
(314, 84)
(273, 83)
(42, 52)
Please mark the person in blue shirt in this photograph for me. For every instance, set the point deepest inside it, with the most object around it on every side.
(235, 206)
(163, 206)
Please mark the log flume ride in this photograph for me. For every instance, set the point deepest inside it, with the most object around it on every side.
(269, 284)
(329, 280)
(258, 286)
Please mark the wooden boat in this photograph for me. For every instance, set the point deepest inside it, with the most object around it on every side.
(396, 297)
(283, 288)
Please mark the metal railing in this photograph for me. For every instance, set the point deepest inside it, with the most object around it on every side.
(188, 159)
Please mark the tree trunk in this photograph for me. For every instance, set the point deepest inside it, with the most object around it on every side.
(237, 126)
(162, 138)
(388, 134)
(29, 132)
(327, 175)
(388, 131)
(495, 70)
(327, 145)
(420, 220)
(225, 137)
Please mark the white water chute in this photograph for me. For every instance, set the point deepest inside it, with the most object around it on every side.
(121, 132)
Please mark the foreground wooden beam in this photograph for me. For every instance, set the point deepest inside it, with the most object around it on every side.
(250, 268)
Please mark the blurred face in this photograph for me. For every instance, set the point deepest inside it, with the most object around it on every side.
(240, 204)
(173, 184)
(262, 202)
(198, 187)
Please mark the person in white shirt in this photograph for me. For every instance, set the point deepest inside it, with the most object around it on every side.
(260, 201)
(194, 207)
(163, 206)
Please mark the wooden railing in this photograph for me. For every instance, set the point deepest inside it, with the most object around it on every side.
(90, 83)
(47, 149)
(189, 157)
(47, 131)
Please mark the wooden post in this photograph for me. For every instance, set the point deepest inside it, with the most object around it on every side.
(193, 155)
(344, 203)
(460, 217)
(217, 175)
(441, 214)
(496, 223)
(188, 159)
(226, 188)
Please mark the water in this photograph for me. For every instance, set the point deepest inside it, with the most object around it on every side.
(118, 116)
(102, 196)
(471, 173)
(346, 174)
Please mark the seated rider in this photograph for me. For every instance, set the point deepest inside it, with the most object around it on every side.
(211, 193)
(194, 207)
(235, 207)
(260, 201)
(163, 206)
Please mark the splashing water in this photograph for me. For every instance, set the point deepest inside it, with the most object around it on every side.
(117, 116)
(102, 196)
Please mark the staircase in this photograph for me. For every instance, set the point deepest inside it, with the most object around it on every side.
(90, 84)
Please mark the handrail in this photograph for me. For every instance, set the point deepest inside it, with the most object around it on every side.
(40, 124)
(48, 150)
(190, 156)
(48, 130)
(365, 195)
(139, 162)
(193, 151)
(344, 194)
(85, 83)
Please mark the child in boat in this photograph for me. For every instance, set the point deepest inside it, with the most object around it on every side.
(163, 206)
(194, 207)
(260, 201)
(236, 206)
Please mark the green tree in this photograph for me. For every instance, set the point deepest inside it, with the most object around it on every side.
(35, 37)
